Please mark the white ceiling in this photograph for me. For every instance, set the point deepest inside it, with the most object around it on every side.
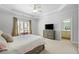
(28, 8)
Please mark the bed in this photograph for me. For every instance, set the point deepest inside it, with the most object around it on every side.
(25, 44)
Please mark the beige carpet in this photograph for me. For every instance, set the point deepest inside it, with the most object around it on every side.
(59, 47)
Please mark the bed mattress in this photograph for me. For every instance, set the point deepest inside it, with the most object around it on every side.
(23, 43)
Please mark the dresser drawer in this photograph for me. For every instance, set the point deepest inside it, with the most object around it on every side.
(50, 34)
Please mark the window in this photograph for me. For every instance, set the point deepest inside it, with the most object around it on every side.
(23, 27)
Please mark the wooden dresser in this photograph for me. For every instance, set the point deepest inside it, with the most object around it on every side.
(50, 34)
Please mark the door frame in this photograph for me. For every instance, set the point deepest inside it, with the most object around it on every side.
(70, 28)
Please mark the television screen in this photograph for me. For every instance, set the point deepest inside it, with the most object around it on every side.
(49, 26)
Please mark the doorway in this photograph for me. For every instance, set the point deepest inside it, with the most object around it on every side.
(66, 29)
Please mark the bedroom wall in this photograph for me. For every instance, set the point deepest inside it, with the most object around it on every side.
(6, 22)
(48, 19)
(56, 17)
(78, 28)
(35, 26)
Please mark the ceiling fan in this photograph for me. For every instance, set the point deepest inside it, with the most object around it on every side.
(37, 8)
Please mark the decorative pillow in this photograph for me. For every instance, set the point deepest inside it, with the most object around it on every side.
(7, 37)
(3, 44)
(2, 47)
(1, 32)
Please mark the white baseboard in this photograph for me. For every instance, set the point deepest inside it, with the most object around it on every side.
(74, 42)
(77, 44)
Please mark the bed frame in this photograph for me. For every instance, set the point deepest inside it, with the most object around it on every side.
(36, 50)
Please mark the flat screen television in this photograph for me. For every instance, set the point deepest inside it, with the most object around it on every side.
(49, 26)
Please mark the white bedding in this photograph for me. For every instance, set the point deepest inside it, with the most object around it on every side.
(23, 43)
